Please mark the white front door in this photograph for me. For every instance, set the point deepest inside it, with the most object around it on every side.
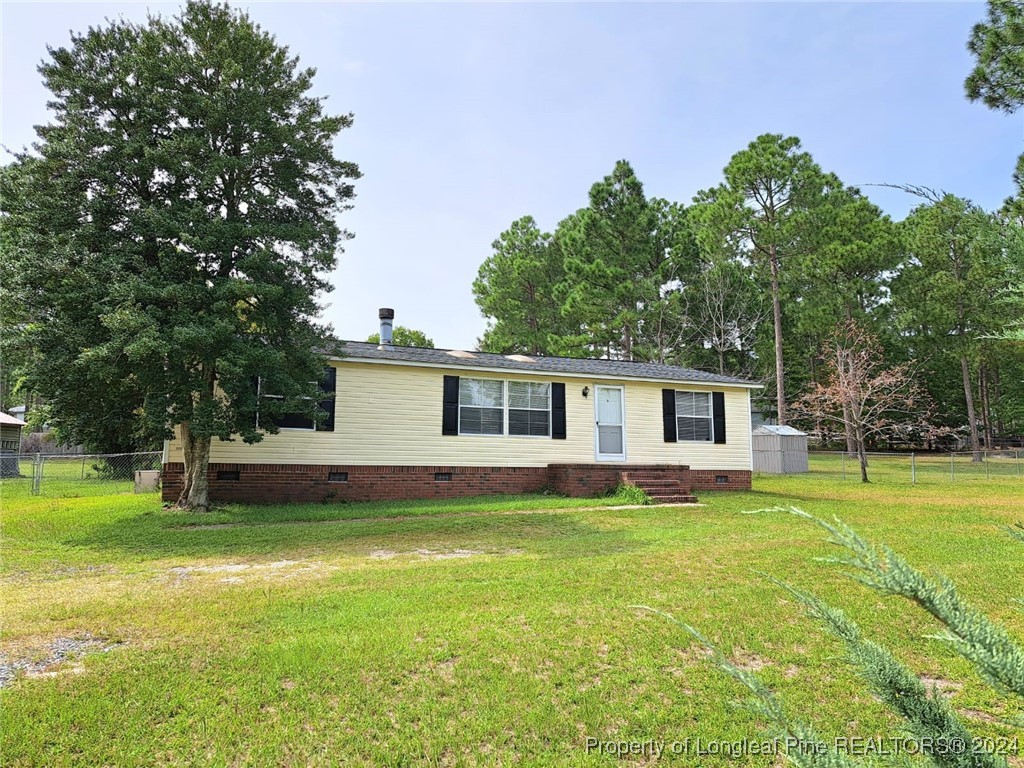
(610, 427)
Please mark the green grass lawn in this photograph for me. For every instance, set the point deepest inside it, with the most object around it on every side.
(76, 475)
(490, 631)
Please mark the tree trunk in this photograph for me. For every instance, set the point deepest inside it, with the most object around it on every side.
(965, 369)
(195, 492)
(199, 489)
(851, 436)
(721, 362)
(186, 449)
(998, 425)
(862, 454)
(780, 386)
(986, 408)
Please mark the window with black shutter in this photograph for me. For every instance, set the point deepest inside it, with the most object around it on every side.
(497, 407)
(668, 414)
(329, 385)
(693, 416)
(718, 416)
(558, 411)
(300, 421)
(450, 406)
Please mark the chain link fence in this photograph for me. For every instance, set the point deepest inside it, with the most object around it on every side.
(918, 468)
(64, 475)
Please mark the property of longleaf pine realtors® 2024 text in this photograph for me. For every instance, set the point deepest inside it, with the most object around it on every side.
(880, 746)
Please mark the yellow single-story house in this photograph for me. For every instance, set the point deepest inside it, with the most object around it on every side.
(406, 422)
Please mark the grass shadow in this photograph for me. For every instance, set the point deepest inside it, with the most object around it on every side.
(155, 535)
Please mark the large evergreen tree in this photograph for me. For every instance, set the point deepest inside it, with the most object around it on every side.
(997, 44)
(948, 298)
(620, 254)
(765, 208)
(170, 230)
(843, 279)
(516, 290)
(997, 79)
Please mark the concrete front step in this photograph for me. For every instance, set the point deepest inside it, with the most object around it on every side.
(657, 483)
(673, 499)
(651, 475)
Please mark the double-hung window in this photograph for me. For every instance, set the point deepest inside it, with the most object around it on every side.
(693, 416)
(529, 408)
(482, 407)
(494, 407)
(301, 421)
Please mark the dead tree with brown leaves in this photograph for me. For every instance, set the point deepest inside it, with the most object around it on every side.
(862, 396)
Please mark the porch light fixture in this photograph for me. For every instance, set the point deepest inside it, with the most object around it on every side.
(586, 391)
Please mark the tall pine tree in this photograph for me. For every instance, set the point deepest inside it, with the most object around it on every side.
(516, 290)
(765, 208)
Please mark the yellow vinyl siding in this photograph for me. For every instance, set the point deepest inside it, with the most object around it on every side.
(391, 414)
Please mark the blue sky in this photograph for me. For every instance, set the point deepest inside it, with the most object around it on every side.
(470, 115)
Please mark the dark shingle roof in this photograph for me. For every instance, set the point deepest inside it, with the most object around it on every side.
(612, 369)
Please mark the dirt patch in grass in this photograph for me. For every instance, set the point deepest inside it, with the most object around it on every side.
(748, 660)
(238, 573)
(945, 688)
(51, 660)
(977, 714)
(434, 516)
(433, 554)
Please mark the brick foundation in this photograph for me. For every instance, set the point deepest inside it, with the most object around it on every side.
(709, 479)
(283, 483)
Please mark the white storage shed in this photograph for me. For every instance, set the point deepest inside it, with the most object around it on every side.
(779, 450)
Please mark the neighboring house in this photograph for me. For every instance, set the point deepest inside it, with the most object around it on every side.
(10, 444)
(408, 422)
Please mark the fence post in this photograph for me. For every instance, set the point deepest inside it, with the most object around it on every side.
(952, 467)
(913, 469)
(984, 457)
(83, 467)
(37, 473)
(1016, 455)
(843, 454)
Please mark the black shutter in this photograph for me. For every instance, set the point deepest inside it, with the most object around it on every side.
(668, 414)
(558, 411)
(718, 415)
(450, 412)
(326, 423)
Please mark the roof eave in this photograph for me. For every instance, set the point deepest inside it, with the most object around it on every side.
(562, 374)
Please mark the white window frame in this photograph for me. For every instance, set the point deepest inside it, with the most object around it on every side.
(505, 426)
(710, 417)
(508, 408)
(504, 408)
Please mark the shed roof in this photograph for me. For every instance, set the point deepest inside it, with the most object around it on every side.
(569, 366)
(778, 429)
(6, 418)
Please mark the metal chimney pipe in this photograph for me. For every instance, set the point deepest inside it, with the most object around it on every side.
(386, 316)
